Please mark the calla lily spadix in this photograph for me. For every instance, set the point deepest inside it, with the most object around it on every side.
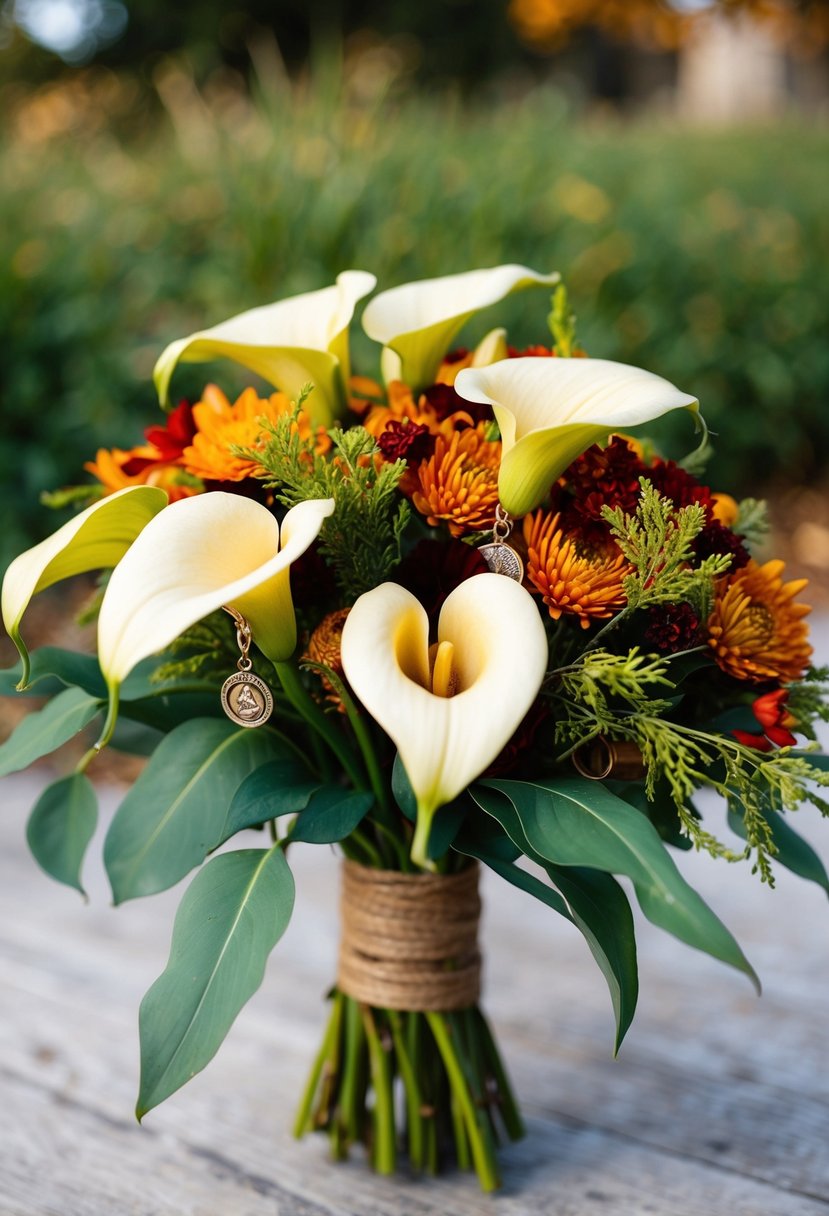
(290, 343)
(417, 322)
(95, 539)
(551, 410)
(452, 714)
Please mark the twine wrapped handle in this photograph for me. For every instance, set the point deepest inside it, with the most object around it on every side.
(410, 941)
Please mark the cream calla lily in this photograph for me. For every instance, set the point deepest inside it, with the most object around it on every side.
(449, 718)
(416, 322)
(95, 539)
(551, 410)
(202, 553)
(289, 343)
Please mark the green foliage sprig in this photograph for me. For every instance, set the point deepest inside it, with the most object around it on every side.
(657, 540)
(361, 539)
(612, 695)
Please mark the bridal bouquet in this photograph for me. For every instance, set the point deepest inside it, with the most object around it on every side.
(462, 615)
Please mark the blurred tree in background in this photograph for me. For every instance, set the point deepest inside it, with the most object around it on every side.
(187, 174)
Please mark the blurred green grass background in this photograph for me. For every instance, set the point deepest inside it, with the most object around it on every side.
(699, 254)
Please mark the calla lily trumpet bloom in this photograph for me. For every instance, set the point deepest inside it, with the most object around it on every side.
(449, 713)
(201, 554)
(551, 410)
(95, 539)
(289, 343)
(417, 322)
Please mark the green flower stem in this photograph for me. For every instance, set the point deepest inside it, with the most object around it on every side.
(317, 720)
(384, 1147)
(303, 1121)
(420, 842)
(510, 1114)
(459, 1130)
(482, 1153)
(349, 1102)
(411, 1089)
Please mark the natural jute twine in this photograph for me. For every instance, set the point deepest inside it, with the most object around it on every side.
(410, 941)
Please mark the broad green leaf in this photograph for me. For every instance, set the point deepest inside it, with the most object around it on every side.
(580, 823)
(279, 787)
(166, 711)
(331, 814)
(41, 732)
(61, 826)
(51, 667)
(481, 834)
(232, 915)
(445, 827)
(173, 814)
(401, 788)
(595, 903)
(601, 911)
(793, 851)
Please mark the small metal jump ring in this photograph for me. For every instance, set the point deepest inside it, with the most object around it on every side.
(244, 664)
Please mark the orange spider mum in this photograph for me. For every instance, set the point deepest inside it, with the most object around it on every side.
(756, 630)
(458, 484)
(114, 469)
(572, 578)
(220, 426)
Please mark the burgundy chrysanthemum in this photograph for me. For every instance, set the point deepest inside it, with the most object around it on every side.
(672, 627)
(409, 441)
(445, 401)
(602, 477)
(715, 538)
(672, 481)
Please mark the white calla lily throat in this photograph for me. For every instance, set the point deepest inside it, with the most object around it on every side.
(492, 669)
(288, 343)
(416, 322)
(200, 554)
(95, 539)
(551, 410)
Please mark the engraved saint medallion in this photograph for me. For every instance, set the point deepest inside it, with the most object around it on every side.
(246, 699)
(502, 559)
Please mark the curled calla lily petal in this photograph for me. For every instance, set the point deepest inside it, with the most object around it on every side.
(452, 716)
(95, 539)
(200, 554)
(289, 343)
(416, 322)
(551, 410)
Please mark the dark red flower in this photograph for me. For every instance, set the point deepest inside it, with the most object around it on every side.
(672, 481)
(715, 538)
(672, 627)
(445, 401)
(602, 477)
(172, 439)
(434, 568)
(521, 741)
(406, 440)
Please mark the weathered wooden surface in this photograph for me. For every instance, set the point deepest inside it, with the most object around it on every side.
(719, 1103)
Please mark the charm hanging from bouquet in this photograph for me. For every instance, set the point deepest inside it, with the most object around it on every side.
(246, 698)
(498, 555)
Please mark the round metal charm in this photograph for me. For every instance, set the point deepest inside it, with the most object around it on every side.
(246, 699)
(502, 559)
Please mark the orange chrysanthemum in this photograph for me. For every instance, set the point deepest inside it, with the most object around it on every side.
(572, 578)
(325, 647)
(221, 426)
(756, 630)
(458, 484)
(114, 470)
(400, 406)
